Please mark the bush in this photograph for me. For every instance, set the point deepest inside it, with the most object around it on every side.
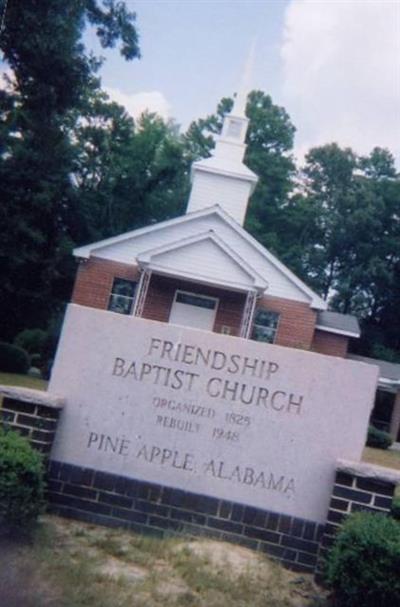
(395, 511)
(31, 340)
(378, 439)
(13, 359)
(364, 563)
(21, 480)
(41, 344)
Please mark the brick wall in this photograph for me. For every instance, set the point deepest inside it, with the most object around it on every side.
(34, 420)
(95, 278)
(160, 297)
(112, 500)
(330, 343)
(357, 487)
(296, 321)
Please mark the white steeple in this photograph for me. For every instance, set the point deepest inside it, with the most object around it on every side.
(223, 178)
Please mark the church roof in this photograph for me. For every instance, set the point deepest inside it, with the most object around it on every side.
(229, 237)
(334, 322)
(182, 257)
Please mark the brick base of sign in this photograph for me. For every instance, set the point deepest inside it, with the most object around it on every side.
(38, 422)
(116, 501)
(107, 499)
(357, 488)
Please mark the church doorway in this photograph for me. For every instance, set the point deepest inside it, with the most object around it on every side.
(193, 310)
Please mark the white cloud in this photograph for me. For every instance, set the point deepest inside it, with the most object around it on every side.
(342, 72)
(137, 103)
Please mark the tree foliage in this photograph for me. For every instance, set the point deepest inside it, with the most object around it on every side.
(39, 216)
(129, 174)
(350, 253)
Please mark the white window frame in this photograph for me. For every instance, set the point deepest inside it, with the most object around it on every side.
(126, 297)
(254, 324)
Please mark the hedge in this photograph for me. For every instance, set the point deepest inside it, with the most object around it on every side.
(363, 566)
(378, 439)
(21, 480)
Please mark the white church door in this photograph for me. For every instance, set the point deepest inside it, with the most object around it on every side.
(193, 310)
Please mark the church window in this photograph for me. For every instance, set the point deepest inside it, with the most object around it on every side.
(122, 296)
(265, 325)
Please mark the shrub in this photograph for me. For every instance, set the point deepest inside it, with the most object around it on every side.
(13, 359)
(395, 511)
(378, 439)
(41, 344)
(364, 563)
(21, 480)
(31, 340)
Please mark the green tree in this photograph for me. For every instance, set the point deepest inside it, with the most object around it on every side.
(129, 174)
(329, 199)
(380, 276)
(350, 253)
(199, 138)
(269, 143)
(154, 185)
(39, 214)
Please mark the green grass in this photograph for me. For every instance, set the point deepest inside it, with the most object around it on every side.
(15, 379)
(382, 457)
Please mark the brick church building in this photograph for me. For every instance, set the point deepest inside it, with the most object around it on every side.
(205, 271)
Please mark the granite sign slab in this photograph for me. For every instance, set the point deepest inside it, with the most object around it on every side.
(235, 419)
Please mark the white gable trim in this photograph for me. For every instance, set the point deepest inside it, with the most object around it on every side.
(315, 300)
(145, 258)
(205, 280)
(87, 250)
(337, 331)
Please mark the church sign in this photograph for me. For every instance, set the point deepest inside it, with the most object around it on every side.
(248, 422)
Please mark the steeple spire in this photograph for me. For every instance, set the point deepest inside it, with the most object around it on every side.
(239, 105)
(224, 179)
(235, 123)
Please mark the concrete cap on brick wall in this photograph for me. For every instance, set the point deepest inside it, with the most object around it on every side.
(365, 470)
(29, 395)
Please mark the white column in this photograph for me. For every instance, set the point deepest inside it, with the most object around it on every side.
(248, 314)
(141, 293)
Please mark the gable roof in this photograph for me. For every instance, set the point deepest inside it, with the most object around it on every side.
(334, 322)
(98, 248)
(172, 256)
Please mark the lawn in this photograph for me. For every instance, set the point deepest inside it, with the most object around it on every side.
(73, 564)
(26, 381)
(381, 457)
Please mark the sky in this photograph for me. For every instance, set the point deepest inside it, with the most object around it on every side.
(333, 64)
